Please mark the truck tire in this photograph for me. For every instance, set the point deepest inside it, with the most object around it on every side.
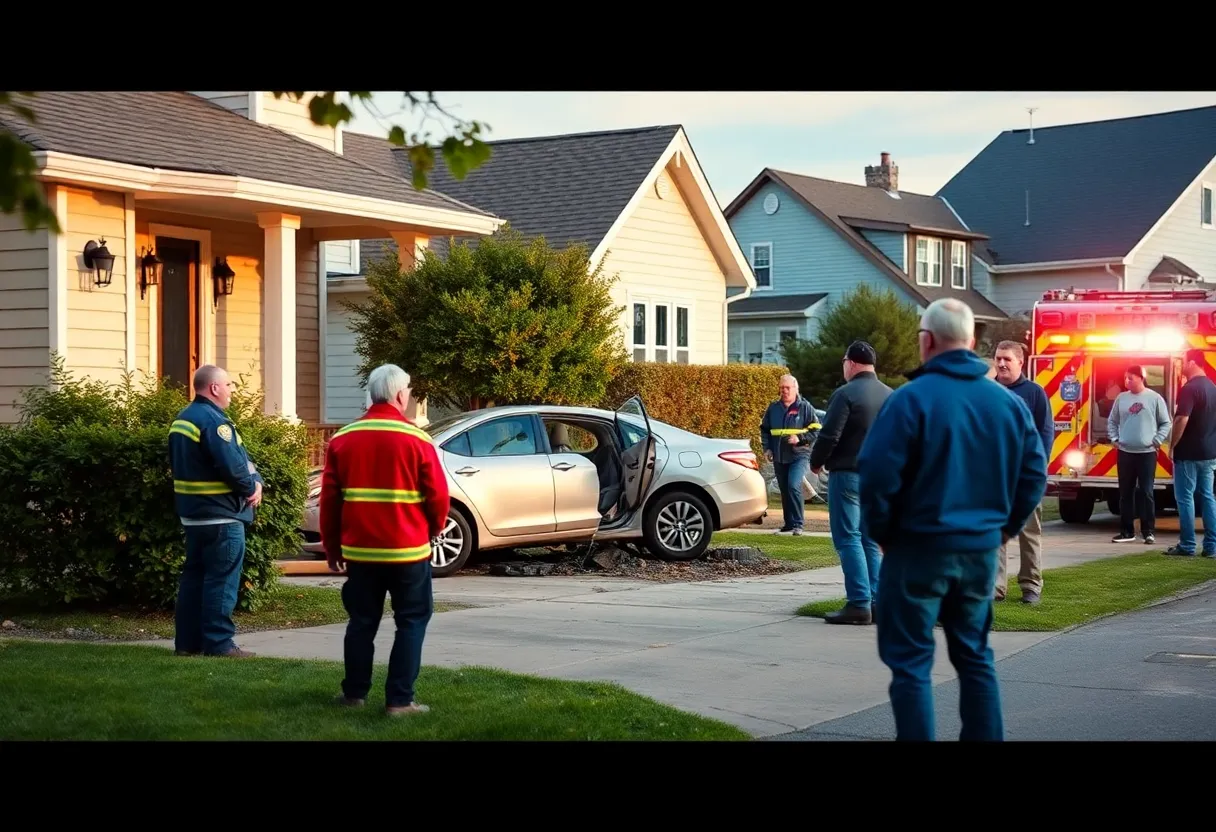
(1077, 511)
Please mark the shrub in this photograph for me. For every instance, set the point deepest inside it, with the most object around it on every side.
(86, 494)
(722, 401)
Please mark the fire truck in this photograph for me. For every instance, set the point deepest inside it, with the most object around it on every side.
(1081, 342)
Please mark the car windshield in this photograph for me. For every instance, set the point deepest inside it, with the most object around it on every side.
(440, 425)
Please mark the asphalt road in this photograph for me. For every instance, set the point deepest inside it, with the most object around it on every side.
(1148, 675)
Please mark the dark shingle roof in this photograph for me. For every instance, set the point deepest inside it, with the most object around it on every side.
(1095, 188)
(776, 304)
(847, 208)
(184, 132)
(568, 189)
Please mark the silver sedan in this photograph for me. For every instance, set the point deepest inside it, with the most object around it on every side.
(542, 476)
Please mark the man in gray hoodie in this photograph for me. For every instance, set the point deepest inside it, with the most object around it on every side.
(1139, 423)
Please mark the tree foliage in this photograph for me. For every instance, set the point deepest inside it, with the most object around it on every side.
(461, 147)
(503, 321)
(1013, 329)
(888, 323)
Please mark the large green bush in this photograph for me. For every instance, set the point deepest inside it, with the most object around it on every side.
(86, 494)
(724, 401)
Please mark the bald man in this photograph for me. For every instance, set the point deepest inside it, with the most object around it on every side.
(215, 489)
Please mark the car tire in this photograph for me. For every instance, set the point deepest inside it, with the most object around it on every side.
(457, 527)
(669, 509)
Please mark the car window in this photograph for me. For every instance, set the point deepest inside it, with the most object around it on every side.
(509, 436)
(630, 434)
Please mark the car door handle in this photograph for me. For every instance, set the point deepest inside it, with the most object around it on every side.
(467, 470)
(563, 466)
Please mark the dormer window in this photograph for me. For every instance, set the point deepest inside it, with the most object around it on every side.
(930, 255)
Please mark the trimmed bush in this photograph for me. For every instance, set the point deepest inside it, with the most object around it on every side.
(86, 494)
(722, 401)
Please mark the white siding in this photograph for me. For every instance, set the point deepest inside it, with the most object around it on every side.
(97, 315)
(764, 335)
(293, 116)
(1182, 237)
(661, 256)
(344, 394)
(238, 102)
(1016, 293)
(342, 257)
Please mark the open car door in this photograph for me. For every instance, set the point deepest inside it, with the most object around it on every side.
(638, 458)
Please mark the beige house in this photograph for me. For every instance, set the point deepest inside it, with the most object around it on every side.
(238, 194)
(636, 198)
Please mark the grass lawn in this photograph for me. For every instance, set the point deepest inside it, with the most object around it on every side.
(1073, 595)
(147, 693)
(812, 552)
(1051, 509)
(290, 607)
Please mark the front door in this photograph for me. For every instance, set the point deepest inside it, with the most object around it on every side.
(179, 313)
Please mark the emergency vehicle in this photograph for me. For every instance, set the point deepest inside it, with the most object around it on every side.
(1081, 342)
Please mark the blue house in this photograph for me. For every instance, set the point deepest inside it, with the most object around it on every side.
(811, 240)
(1120, 205)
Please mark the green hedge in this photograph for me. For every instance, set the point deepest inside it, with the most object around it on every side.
(86, 494)
(724, 401)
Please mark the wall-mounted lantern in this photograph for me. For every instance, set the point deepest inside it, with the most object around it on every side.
(149, 271)
(224, 278)
(98, 258)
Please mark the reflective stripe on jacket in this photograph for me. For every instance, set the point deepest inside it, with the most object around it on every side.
(782, 420)
(212, 475)
(384, 495)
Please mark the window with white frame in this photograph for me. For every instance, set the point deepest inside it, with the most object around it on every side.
(1205, 206)
(762, 265)
(661, 331)
(958, 264)
(929, 256)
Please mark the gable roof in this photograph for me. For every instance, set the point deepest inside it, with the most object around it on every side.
(568, 189)
(848, 208)
(185, 132)
(1095, 189)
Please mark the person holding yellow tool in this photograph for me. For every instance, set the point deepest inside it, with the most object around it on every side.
(788, 431)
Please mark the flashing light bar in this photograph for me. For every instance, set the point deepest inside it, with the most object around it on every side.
(1155, 340)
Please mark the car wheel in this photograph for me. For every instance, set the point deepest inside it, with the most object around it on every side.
(678, 526)
(452, 548)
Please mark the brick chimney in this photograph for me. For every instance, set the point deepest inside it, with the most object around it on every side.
(884, 175)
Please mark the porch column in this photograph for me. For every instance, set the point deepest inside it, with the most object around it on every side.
(411, 247)
(279, 313)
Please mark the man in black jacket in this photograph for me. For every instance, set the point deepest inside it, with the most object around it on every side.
(851, 410)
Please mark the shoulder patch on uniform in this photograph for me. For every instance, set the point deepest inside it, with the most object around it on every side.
(224, 432)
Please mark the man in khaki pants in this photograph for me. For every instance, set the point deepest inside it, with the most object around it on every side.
(1010, 358)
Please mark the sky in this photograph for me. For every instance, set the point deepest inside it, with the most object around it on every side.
(832, 135)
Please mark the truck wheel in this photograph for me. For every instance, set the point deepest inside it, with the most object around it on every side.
(1112, 505)
(1078, 510)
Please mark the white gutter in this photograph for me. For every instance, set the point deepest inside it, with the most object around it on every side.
(1054, 265)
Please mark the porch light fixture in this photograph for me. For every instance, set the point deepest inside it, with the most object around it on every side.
(224, 277)
(98, 258)
(149, 271)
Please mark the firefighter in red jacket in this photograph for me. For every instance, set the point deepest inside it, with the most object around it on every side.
(384, 498)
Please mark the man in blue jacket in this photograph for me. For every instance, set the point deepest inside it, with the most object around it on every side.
(788, 432)
(951, 469)
(215, 489)
(1010, 360)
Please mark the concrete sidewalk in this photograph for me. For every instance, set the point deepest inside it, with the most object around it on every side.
(731, 649)
(1147, 675)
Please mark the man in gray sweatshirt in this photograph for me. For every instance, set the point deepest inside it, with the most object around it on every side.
(1139, 423)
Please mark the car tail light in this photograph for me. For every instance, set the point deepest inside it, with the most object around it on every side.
(745, 458)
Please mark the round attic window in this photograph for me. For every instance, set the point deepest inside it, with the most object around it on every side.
(662, 187)
(771, 204)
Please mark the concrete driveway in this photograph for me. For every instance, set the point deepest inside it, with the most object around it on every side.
(731, 649)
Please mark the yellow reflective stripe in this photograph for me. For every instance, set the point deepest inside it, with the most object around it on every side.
(386, 425)
(408, 555)
(186, 429)
(814, 426)
(795, 431)
(200, 487)
(381, 495)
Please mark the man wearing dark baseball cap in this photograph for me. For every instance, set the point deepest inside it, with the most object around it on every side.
(851, 410)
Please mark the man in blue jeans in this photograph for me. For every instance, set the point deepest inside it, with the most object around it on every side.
(787, 432)
(1193, 449)
(851, 410)
(951, 469)
(215, 489)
